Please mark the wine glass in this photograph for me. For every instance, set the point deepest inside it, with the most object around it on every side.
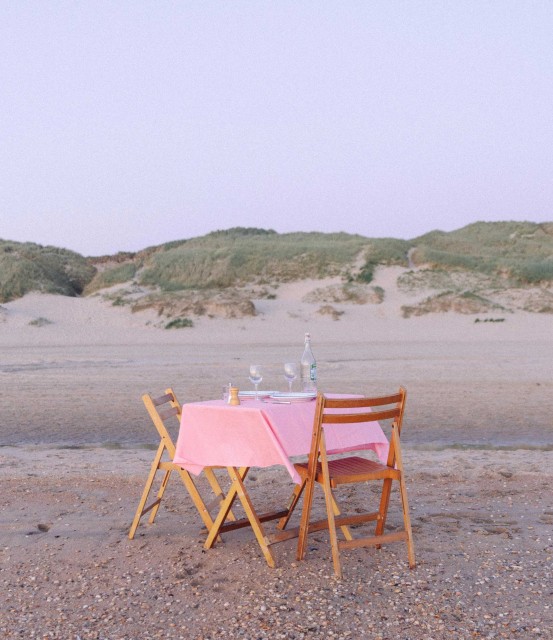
(256, 376)
(290, 373)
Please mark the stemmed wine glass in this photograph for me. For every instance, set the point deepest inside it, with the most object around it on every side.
(290, 373)
(255, 376)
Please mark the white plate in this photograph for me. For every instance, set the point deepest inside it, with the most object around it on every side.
(251, 394)
(293, 397)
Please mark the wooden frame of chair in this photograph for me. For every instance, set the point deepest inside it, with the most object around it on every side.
(352, 469)
(159, 413)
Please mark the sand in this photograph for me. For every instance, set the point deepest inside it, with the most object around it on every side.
(77, 443)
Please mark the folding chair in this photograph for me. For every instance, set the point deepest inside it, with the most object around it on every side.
(160, 409)
(352, 469)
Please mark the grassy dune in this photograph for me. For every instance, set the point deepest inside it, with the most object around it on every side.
(522, 251)
(483, 255)
(26, 267)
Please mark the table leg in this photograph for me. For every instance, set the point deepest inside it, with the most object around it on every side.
(226, 506)
(238, 490)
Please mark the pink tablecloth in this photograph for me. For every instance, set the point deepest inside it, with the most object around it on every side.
(262, 434)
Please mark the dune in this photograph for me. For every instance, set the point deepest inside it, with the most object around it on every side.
(95, 320)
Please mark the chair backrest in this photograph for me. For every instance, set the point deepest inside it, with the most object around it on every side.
(337, 411)
(160, 409)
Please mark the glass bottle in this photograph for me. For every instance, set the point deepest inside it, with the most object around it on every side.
(308, 367)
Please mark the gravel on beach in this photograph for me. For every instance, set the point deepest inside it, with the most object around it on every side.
(483, 536)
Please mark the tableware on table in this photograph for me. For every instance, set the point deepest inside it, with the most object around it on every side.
(226, 392)
(308, 367)
(287, 398)
(290, 373)
(234, 400)
(256, 376)
(251, 394)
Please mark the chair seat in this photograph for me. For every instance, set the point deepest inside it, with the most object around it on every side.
(351, 469)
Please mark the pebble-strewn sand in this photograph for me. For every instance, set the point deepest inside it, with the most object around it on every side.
(478, 446)
(483, 533)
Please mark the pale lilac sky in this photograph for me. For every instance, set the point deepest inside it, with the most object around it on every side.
(130, 123)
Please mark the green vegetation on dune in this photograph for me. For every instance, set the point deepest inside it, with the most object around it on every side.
(509, 253)
(111, 276)
(519, 250)
(26, 267)
(179, 323)
(237, 256)
(383, 251)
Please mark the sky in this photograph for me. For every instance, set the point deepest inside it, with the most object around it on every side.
(131, 123)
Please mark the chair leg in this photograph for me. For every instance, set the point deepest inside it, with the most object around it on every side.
(196, 497)
(383, 509)
(292, 503)
(216, 488)
(330, 506)
(405, 505)
(146, 491)
(226, 505)
(407, 523)
(251, 515)
(337, 512)
(160, 493)
(305, 516)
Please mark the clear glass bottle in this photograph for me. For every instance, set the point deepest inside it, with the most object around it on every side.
(308, 366)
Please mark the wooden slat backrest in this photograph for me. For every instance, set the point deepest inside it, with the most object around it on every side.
(322, 417)
(348, 418)
(343, 403)
(158, 416)
(173, 411)
(168, 397)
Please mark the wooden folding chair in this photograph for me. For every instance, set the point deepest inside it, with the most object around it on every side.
(160, 409)
(352, 469)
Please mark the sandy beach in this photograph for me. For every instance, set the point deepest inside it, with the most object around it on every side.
(76, 447)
